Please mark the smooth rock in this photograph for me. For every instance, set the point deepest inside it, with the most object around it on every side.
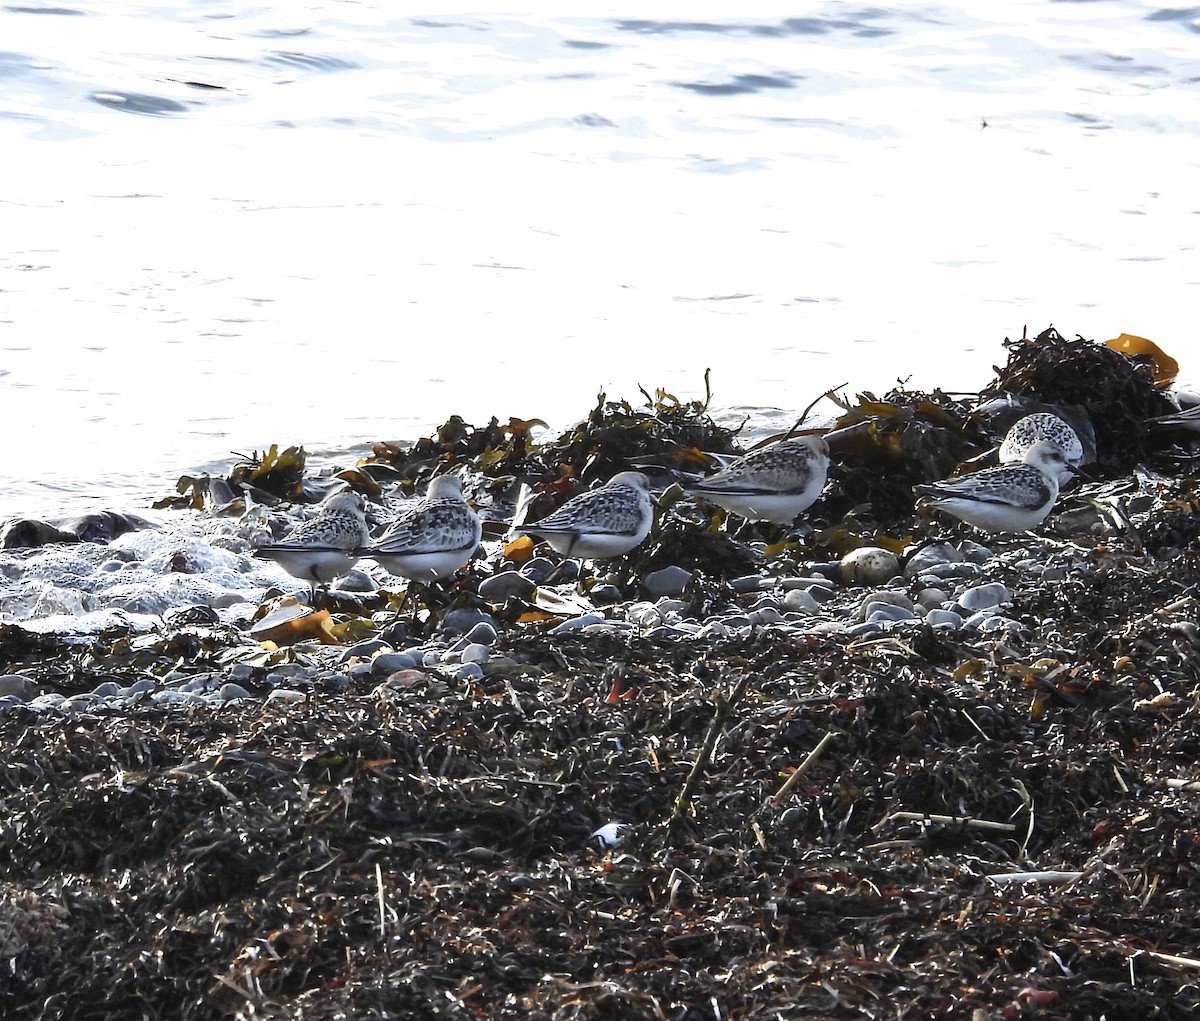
(932, 598)
(389, 662)
(883, 613)
(475, 653)
(605, 595)
(482, 633)
(880, 597)
(669, 581)
(937, 617)
(980, 597)
(286, 695)
(501, 587)
(469, 672)
(931, 558)
(356, 580)
(229, 691)
(20, 686)
(868, 565)
(800, 600)
(577, 623)
(460, 621)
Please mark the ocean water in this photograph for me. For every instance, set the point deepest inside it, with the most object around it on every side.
(228, 225)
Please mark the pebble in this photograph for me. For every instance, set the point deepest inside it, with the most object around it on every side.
(932, 598)
(880, 597)
(800, 600)
(937, 617)
(883, 613)
(109, 689)
(18, 686)
(577, 623)
(747, 583)
(475, 653)
(931, 558)
(286, 695)
(868, 565)
(460, 621)
(605, 595)
(389, 662)
(538, 569)
(981, 597)
(669, 581)
(499, 588)
(469, 672)
(229, 691)
(482, 633)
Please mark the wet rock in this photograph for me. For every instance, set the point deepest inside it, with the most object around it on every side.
(388, 663)
(879, 597)
(229, 691)
(26, 533)
(943, 618)
(461, 620)
(800, 600)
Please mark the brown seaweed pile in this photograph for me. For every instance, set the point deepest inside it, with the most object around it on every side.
(811, 827)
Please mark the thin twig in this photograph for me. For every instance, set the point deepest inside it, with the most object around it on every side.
(952, 820)
(804, 766)
(1049, 876)
(720, 717)
(379, 894)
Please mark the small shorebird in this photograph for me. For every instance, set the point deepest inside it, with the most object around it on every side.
(603, 522)
(1010, 498)
(775, 483)
(431, 539)
(1042, 425)
(326, 546)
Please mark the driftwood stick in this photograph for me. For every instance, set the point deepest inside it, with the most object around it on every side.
(721, 716)
(953, 820)
(804, 767)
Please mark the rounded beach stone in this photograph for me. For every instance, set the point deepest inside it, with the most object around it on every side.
(868, 565)
(475, 653)
(932, 598)
(482, 633)
(669, 581)
(931, 558)
(499, 588)
(230, 691)
(19, 686)
(981, 597)
(800, 600)
(943, 618)
(880, 597)
(389, 662)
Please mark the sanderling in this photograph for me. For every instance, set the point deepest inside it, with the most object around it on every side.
(604, 522)
(324, 547)
(1041, 426)
(1010, 498)
(430, 539)
(774, 483)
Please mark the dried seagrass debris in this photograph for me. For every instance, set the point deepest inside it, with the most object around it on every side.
(1117, 391)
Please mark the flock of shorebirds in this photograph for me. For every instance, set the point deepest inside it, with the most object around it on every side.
(435, 536)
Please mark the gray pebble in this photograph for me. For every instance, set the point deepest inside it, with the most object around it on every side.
(800, 600)
(882, 613)
(937, 617)
(286, 695)
(670, 581)
(747, 583)
(460, 621)
(931, 557)
(932, 598)
(974, 552)
(108, 689)
(389, 662)
(20, 686)
(538, 569)
(981, 597)
(482, 633)
(868, 627)
(765, 615)
(499, 588)
(605, 595)
(882, 597)
(229, 691)
(431, 657)
(356, 581)
(475, 653)
(469, 672)
(577, 623)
